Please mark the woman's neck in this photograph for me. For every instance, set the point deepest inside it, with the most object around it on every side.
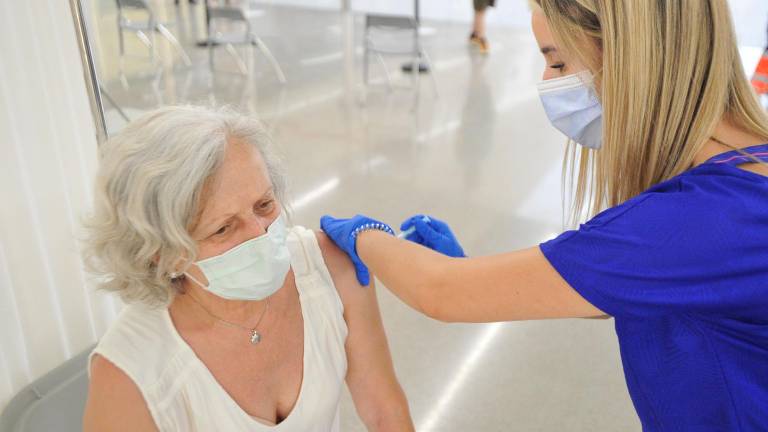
(196, 301)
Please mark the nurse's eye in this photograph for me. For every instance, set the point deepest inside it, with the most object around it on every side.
(558, 66)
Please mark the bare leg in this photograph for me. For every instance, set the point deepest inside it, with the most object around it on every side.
(478, 31)
(478, 27)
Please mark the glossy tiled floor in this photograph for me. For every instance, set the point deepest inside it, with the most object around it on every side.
(479, 154)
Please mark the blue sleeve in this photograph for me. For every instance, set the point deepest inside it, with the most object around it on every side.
(658, 254)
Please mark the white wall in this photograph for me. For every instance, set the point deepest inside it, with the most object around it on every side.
(751, 16)
(507, 12)
(47, 157)
(318, 4)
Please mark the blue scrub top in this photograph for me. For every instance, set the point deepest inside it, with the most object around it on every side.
(683, 269)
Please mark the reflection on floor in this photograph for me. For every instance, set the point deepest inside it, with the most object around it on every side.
(479, 154)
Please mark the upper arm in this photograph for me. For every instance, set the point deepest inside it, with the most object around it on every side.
(371, 376)
(654, 255)
(519, 285)
(114, 402)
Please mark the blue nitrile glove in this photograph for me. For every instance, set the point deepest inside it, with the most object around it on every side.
(344, 233)
(434, 234)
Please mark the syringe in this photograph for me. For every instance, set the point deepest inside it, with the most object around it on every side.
(410, 230)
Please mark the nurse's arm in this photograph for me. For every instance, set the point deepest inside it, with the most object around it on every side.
(519, 285)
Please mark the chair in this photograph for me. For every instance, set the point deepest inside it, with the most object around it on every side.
(401, 24)
(141, 28)
(54, 402)
(235, 16)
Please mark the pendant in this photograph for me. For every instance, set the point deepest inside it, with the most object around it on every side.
(255, 337)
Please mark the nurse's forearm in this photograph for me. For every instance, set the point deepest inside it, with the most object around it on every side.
(518, 285)
(412, 272)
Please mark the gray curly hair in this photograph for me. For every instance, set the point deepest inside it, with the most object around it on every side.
(148, 195)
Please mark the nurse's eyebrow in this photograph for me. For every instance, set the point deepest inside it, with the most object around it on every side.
(548, 49)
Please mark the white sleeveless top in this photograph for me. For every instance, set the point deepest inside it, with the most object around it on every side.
(183, 395)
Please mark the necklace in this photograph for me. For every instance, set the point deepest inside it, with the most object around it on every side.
(722, 143)
(745, 154)
(255, 335)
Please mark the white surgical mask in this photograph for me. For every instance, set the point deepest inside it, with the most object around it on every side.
(252, 270)
(572, 106)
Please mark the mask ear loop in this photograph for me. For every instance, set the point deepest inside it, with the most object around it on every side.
(588, 78)
(193, 279)
(287, 213)
(183, 272)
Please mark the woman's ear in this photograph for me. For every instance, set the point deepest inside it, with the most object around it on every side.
(179, 267)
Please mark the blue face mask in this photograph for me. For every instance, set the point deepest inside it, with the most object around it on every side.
(572, 106)
(253, 270)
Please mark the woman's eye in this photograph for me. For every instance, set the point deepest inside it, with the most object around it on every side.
(266, 205)
(558, 66)
(222, 230)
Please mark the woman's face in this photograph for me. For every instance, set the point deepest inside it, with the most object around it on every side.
(239, 204)
(558, 62)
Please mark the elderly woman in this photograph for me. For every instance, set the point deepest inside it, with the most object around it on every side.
(235, 321)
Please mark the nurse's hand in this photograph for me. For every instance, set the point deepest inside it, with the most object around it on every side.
(344, 232)
(434, 234)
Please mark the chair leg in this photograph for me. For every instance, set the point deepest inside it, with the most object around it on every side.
(114, 104)
(268, 54)
(144, 39)
(174, 42)
(238, 59)
(366, 57)
(120, 39)
(386, 71)
(431, 67)
(416, 59)
(153, 47)
(210, 53)
(147, 43)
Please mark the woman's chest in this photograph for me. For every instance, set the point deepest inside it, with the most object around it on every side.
(263, 379)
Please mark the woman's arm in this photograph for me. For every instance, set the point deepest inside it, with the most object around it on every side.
(114, 402)
(518, 285)
(377, 394)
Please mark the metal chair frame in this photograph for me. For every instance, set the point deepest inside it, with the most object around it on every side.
(395, 23)
(151, 26)
(236, 15)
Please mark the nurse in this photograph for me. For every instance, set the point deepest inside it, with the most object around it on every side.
(673, 164)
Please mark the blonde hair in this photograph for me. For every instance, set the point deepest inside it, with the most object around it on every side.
(667, 72)
(148, 195)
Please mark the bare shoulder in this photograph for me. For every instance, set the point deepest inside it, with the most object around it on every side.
(114, 401)
(337, 260)
(343, 273)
